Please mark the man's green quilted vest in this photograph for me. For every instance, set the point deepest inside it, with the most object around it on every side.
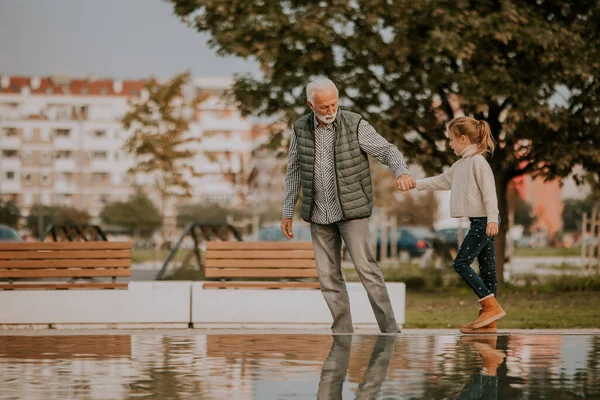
(352, 173)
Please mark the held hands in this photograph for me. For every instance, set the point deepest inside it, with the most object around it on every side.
(405, 182)
(286, 227)
(491, 229)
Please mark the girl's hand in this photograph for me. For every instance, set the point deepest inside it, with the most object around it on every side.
(491, 229)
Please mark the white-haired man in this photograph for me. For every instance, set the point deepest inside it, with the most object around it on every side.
(328, 160)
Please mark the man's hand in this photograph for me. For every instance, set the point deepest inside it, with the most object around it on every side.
(406, 182)
(491, 229)
(286, 227)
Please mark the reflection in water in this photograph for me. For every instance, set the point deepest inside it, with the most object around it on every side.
(336, 365)
(483, 384)
(163, 366)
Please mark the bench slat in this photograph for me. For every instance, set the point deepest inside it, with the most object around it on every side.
(261, 285)
(25, 246)
(260, 273)
(260, 254)
(63, 254)
(261, 264)
(211, 245)
(24, 264)
(90, 285)
(64, 273)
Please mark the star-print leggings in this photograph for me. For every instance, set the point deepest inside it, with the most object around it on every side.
(478, 244)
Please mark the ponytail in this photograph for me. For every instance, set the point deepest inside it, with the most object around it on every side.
(486, 143)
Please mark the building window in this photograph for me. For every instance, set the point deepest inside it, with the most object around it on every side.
(10, 132)
(63, 199)
(10, 175)
(63, 132)
(27, 156)
(63, 154)
(27, 199)
(99, 134)
(44, 135)
(99, 177)
(45, 157)
(99, 155)
(45, 178)
(9, 153)
(45, 199)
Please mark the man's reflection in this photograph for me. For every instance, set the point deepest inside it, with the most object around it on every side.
(335, 367)
(484, 383)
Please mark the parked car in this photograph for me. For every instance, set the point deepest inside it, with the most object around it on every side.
(8, 234)
(412, 241)
(449, 237)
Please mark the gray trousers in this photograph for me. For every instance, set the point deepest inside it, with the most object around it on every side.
(327, 245)
(336, 365)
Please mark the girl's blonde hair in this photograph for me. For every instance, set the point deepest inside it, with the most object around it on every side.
(478, 132)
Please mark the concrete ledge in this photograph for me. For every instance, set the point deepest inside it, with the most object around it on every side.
(143, 304)
(221, 308)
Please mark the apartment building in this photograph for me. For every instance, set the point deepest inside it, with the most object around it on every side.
(61, 143)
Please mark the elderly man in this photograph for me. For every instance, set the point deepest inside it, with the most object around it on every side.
(328, 160)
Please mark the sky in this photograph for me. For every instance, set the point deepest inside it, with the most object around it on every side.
(125, 39)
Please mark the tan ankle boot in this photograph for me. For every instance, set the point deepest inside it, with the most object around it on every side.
(468, 329)
(491, 312)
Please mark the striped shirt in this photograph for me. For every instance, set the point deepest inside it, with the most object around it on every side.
(326, 205)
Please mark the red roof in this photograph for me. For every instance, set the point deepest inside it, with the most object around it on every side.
(82, 87)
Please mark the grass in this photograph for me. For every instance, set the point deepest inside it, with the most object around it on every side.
(144, 255)
(526, 309)
(547, 251)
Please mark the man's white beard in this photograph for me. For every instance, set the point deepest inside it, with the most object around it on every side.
(327, 118)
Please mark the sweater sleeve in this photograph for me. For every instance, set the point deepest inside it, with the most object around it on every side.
(439, 182)
(487, 186)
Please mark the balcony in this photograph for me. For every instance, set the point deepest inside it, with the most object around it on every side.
(65, 143)
(10, 142)
(65, 165)
(10, 164)
(65, 187)
(212, 123)
(104, 166)
(10, 186)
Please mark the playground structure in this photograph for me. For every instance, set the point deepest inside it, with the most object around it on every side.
(590, 238)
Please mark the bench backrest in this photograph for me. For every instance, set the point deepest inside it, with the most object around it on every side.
(260, 260)
(24, 260)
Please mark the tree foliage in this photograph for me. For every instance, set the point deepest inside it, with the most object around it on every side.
(159, 121)
(137, 215)
(9, 213)
(529, 68)
(54, 215)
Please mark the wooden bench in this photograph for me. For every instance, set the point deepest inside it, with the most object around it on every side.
(53, 347)
(23, 264)
(291, 261)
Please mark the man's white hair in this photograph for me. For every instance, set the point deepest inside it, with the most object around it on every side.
(319, 84)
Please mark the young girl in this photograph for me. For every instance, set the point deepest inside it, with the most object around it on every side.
(473, 195)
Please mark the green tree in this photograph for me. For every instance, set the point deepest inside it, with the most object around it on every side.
(159, 124)
(137, 215)
(573, 212)
(207, 213)
(9, 213)
(41, 216)
(530, 69)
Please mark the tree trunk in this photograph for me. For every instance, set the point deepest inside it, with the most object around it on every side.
(501, 192)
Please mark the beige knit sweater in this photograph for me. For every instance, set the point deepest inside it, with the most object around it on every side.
(471, 181)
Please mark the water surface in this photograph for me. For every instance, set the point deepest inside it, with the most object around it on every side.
(194, 366)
